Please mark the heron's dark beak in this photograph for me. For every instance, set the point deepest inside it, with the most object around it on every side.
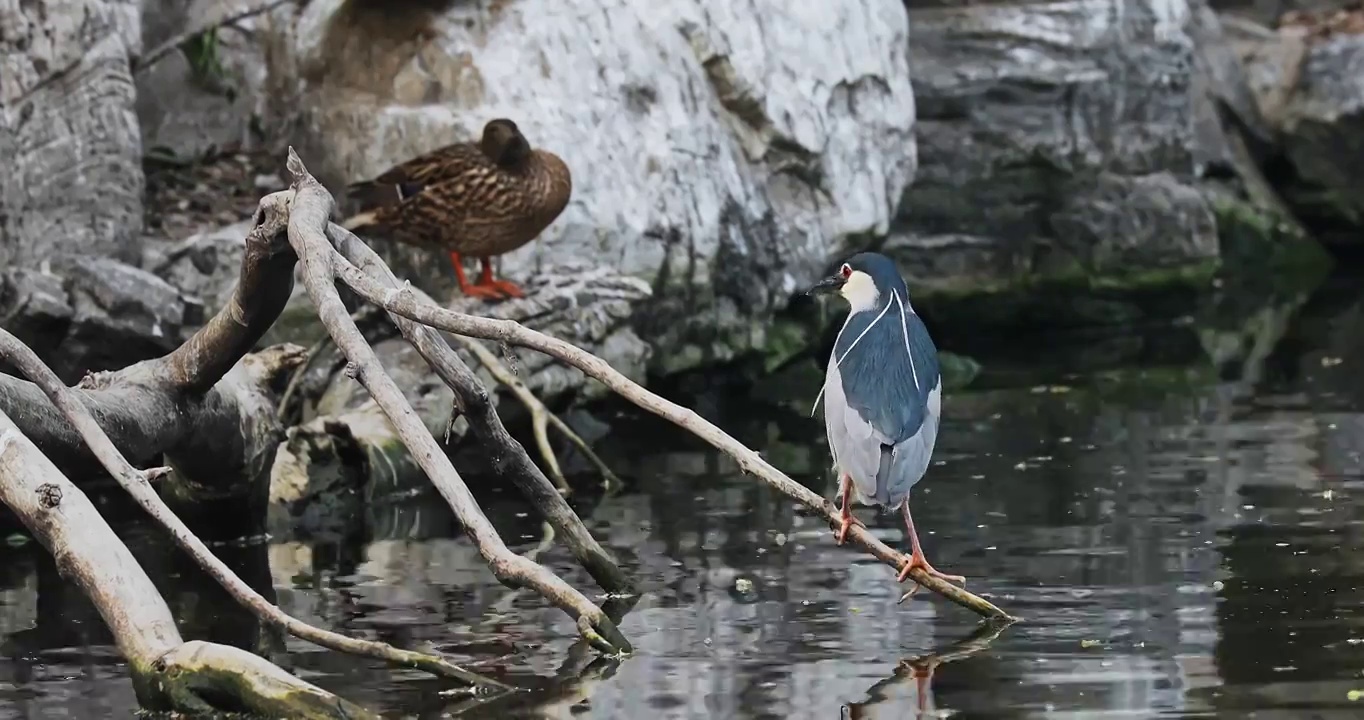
(827, 285)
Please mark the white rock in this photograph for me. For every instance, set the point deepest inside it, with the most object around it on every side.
(72, 179)
(187, 114)
(719, 149)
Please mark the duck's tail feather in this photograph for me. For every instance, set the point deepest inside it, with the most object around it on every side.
(371, 197)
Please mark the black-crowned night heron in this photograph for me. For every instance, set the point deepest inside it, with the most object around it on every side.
(882, 396)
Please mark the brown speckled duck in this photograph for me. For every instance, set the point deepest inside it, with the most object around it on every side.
(481, 199)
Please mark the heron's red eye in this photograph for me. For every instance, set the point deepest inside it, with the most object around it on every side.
(845, 271)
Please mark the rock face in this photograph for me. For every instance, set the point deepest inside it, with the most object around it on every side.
(90, 313)
(73, 166)
(1323, 123)
(1065, 141)
(71, 193)
(188, 108)
(206, 264)
(723, 153)
(1306, 78)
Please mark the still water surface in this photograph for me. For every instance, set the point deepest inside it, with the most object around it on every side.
(1182, 541)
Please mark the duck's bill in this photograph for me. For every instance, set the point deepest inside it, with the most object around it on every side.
(827, 285)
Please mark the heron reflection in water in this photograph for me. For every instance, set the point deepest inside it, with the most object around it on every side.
(921, 669)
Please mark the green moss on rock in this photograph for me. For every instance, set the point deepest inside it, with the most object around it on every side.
(786, 339)
(957, 370)
(1260, 250)
(1261, 244)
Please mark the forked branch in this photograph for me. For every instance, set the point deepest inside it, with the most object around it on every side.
(508, 457)
(402, 301)
(308, 222)
(135, 482)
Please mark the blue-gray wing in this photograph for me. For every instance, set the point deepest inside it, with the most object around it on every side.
(889, 366)
(882, 401)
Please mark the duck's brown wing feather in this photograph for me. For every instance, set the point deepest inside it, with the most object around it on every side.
(411, 178)
(444, 163)
(453, 198)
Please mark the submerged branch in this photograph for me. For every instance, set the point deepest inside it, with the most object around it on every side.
(404, 302)
(87, 551)
(203, 672)
(136, 483)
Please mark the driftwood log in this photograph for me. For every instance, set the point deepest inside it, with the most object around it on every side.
(168, 672)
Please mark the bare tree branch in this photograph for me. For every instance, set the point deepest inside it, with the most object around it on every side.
(540, 416)
(88, 552)
(266, 281)
(309, 213)
(509, 458)
(136, 483)
(404, 302)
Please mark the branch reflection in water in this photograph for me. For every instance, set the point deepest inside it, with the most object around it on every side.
(576, 679)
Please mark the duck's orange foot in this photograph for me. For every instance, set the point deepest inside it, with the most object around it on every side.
(917, 560)
(493, 290)
(506, 287)
(486, 288)
(486, 292)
